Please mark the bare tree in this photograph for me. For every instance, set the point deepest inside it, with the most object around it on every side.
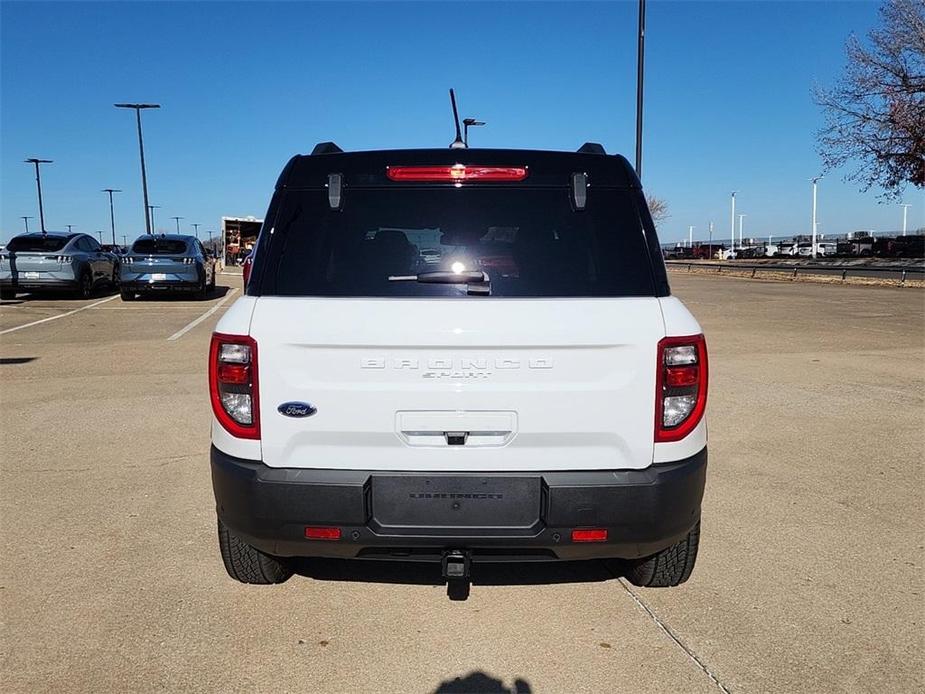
(658, 208)
(875, 113)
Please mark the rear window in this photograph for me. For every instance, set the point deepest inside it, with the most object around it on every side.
(31, 244)
(159, 247)
(529, 242)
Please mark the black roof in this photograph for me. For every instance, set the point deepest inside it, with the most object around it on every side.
(546, 168)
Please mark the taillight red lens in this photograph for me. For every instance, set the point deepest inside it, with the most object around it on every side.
(322, 533)
(456, 173)
(233, 385)
(589, 535)
(680, 386)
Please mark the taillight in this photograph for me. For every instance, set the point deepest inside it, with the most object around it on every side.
(62, 259)
(680, 386)
(128, 260)
(456, 173)
(233, 384)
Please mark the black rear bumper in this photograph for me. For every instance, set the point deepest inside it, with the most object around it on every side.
(495, 516)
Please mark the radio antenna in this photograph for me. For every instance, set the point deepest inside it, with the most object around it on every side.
(458, 143)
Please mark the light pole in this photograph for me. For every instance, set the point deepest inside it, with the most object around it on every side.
(177, 220)
(466, 123)
(741, 217)
(141, 148)
(26, 222)
(690, 236)
(69, 227)
(152, 229)
(38, 185)
(112, 216)
(905, 207)
(640, 73)
(195, 229)
(815, 182)
(732, 221)
(100, 234)
(124, 240)
(711, 241)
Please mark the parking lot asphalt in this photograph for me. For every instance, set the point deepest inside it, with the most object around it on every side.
(810, 575)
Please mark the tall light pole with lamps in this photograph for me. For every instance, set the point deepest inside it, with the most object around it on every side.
(905, 207)
(26, 222)
(732, 221)
(112, 215)
(141, 148)
(38, 185)
(741, 217)
(815, 182)
(195, 229)
(177, 220)
(152, 228)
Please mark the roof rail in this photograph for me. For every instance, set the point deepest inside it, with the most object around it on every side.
(592, 148)
(326, 148)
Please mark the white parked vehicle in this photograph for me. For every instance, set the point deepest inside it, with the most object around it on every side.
(539, 394)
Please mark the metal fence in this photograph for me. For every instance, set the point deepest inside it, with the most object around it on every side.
(900, 272)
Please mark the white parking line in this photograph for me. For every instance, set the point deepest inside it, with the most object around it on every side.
(63, 315)
(182, 331)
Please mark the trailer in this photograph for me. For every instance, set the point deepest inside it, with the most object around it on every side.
(239, 236)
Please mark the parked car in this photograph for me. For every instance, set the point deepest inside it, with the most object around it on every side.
(167, 263)
(54, 262)
(365, 411)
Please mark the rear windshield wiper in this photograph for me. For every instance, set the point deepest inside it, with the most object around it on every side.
(477, 282)
(442, 277)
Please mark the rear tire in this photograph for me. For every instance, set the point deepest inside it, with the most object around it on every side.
(127, 296)
(7, 294)
(85, 285)
(669, 567)
(247, 564)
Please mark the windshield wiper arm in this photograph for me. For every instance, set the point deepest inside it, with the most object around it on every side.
(443, 277)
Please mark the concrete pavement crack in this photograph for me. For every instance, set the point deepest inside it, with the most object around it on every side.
(698, 661)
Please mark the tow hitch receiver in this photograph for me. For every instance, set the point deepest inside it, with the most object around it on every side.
(455, 565)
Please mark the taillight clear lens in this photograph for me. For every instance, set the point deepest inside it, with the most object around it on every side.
(233, 384)
(681, 386)
(238, 406)
(64, 259)
(677, 408)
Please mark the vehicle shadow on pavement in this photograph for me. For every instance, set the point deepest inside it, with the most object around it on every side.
(481, 683)
(217, 293)
(483, 574)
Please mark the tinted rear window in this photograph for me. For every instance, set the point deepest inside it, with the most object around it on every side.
(159, 247)
(31, 244)
(529, 241)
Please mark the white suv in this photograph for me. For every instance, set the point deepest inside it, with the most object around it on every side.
(461, 356)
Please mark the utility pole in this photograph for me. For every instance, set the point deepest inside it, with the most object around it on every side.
(112, 216)
(640, 74)
(38, 185)
(195, 230)
(732, 221)
(741, 217)
(26, 222)
(141, 148)
(905, 207)
(815, 182)
(177, 220)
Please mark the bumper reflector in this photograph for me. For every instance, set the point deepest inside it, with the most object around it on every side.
(322, 533)
(589, 535)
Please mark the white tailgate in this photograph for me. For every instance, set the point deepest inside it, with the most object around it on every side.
(537, 384)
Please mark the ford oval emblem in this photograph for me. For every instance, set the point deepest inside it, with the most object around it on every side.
(296, 409)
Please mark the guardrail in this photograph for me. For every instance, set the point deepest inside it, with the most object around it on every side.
(903, 272)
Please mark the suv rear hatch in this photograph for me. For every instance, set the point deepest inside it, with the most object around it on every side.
(456, 325)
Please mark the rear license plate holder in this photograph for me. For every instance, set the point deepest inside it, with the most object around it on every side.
(31, 275)
(456, 504)
(158, 276)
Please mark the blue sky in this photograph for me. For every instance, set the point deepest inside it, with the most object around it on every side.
(246, 85)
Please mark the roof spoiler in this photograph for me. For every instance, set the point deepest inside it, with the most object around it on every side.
(592, 148)
(326, 148)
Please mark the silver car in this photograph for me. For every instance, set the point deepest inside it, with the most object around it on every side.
(55, 261)
(167, 263)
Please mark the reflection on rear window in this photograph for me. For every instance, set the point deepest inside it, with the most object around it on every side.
(528, 242)
(37, 243)
(159, 247)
